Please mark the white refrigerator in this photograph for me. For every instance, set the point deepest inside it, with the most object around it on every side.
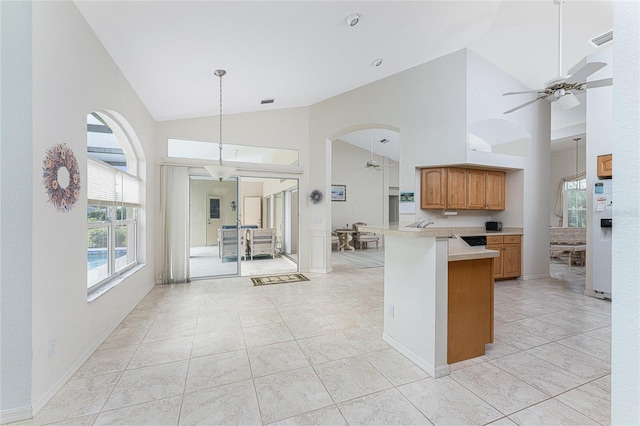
(601, 236)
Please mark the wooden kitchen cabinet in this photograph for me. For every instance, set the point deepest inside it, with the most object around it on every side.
(508, 263)
(462, 189)
(476, 187)
(433, 188)
(605, 166)
(456, 188)
(485, 190)
(470, 309)
(494, 190)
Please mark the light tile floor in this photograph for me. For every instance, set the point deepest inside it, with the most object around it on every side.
(225, 352)
(204, 262)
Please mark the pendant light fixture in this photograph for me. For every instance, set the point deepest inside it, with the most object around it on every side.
(220, 171)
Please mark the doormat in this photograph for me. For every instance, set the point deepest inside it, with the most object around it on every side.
(279, 279)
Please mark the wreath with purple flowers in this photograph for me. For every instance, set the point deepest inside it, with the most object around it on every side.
(60, 158)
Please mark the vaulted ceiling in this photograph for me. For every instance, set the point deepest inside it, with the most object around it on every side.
(302, 52)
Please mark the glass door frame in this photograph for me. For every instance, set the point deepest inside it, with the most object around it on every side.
(231, 209)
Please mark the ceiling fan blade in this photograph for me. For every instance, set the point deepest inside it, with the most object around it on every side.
(599, 83)
(522, 93)
(525, 104)
(584, 72)
(568, 101)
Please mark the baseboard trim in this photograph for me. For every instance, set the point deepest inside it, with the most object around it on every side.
(15, 415)
(534, 277)
(433, 371)
(601, 296)
(45, 398)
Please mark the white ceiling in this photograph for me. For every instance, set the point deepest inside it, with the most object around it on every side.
(302, 52)
(369, 140)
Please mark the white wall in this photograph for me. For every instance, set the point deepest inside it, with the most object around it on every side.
(414, 105)
(365, 187)
(625, 357)
(16, 210)
(72, 76)
(409, 102)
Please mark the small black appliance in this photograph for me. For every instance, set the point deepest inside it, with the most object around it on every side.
(493, 226)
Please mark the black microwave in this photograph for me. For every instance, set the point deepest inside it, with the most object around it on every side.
(493, 226)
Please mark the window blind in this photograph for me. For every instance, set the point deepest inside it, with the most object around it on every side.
(106, 184)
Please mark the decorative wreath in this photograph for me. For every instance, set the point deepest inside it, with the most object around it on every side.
(59, 156)
(316, 196)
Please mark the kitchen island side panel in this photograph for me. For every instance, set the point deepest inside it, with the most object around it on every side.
(415, 304)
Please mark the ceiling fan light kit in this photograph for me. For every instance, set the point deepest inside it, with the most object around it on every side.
(568, 101)
(563, 88)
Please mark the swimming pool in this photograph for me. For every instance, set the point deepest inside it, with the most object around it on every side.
(98, 257)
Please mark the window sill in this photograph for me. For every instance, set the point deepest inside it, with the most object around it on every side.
(94, 294)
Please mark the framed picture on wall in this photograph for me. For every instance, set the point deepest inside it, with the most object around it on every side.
(338, 192)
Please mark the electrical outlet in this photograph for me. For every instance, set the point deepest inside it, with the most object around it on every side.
(52, 347)
(391, 310)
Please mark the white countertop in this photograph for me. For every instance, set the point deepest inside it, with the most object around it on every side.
(458, 249)
(403, 231)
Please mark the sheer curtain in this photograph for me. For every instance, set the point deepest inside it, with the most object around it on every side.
(559, 207)
(175, 220)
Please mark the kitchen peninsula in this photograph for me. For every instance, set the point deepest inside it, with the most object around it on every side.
(438, 296)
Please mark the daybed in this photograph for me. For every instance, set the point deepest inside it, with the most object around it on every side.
(569, 243)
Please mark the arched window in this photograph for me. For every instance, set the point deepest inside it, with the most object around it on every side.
(113, 201)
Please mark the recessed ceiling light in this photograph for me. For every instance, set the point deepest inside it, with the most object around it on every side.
(352, 20)
(266, 101)
(377, 62)
(602, 39)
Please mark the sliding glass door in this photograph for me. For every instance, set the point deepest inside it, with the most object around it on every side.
(216, 241)
(242, 226)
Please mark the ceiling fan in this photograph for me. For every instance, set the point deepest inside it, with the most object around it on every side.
(374, 164)
(564, 88)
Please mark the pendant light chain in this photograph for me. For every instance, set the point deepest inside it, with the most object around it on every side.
(220, 73)
(220, 171)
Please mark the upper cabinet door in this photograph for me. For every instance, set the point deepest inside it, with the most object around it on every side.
(462, 189)
(605, 166)
(433, 185)
(456, 188)
(476, 184)
(495, 187)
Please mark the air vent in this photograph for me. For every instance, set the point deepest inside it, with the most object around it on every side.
(602, 39)
(385, 140)
(266, 101)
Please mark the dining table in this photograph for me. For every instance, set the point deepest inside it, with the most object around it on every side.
(346, 236)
